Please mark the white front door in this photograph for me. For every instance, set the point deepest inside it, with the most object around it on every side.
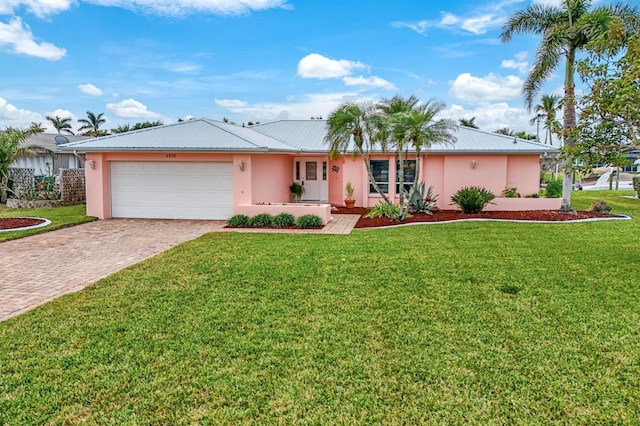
(312, 174)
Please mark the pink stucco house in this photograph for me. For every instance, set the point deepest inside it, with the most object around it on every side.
(205, 169)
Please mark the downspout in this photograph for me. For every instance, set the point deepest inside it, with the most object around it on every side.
(75, 154)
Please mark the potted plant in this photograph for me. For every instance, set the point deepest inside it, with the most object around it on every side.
(297, 190)
(349, 201)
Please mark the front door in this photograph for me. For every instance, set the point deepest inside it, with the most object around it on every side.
(312, 174)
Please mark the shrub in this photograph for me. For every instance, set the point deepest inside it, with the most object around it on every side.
(263, 219)
(510, 193)
(534, 195)
(472, 199)
(309, 221)
(599, 207)
(421, 202)
(384, 209)
(296, 189)
(238, 221)
(283, 220)
(554, 188)
(636, 185)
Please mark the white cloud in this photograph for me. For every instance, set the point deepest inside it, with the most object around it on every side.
(555, 3)
(181, 67)
(481, 24)
(230, 103)
(20, 40)
(11, 116)
(90, 89)
(311, 105)
(493, 87)
(40, 8)
(369, 82)
(185, 7)
(318, 66)
(518, 63)
(130, 108)
(493, 116)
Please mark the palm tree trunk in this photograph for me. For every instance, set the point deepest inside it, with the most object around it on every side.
(569, 119)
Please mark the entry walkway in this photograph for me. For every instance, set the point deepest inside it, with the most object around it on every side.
(40, 268)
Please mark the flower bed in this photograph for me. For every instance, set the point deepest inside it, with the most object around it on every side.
(297, 209)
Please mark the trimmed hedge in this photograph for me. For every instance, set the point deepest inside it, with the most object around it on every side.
(282, 220)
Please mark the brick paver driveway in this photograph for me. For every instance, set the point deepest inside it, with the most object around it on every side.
(37, 269)
(34, 270)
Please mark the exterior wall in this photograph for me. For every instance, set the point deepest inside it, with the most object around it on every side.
(265, 178)
(336, 182)
(271, 176)
(523, 173)
(448, 173)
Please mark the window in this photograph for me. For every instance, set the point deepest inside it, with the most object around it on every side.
(380, 172)
(297, 170)
(409, 174)
(311, 170)
(324, 170)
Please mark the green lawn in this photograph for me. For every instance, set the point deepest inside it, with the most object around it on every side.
(467, 323)
(60, 217)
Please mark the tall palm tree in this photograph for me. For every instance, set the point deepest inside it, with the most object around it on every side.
(419, 128)
(11, 150)
(91, 124)
(565, 30)
(468, 122)
(546, 110)
(61, 124)
(355, 126)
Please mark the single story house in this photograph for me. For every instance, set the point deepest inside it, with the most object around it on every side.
(50, 160)
(206, 169)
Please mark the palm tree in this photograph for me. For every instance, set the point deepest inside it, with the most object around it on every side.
(10, 151)
(355, 126)
(505, 131)
(468, 122)
(565, 30)
(547, 109)
(61, 124)
(418, 127)
(91, 124)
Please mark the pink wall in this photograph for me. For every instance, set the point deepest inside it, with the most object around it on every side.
(524, 173)
(271, 176)
(266, 177)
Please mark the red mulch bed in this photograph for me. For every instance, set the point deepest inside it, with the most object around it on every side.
(18, 222)
(449, 215)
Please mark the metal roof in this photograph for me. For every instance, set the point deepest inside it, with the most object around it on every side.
(191, 135)
(475, 140)
(47, 141)
(280, 136)
(307, 135)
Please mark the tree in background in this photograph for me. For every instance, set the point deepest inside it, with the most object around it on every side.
(565, 30)
(505, 131)
(468, 122)
(546, 110)
(61, 124)
(138, 126)
(609, 123)
(10, 150)
(91, 125)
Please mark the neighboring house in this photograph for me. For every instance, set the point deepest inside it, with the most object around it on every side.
(205, 169)
(49, 161)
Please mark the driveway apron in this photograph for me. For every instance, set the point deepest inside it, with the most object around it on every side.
(37, 269)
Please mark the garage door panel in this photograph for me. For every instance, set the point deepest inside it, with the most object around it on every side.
(172, 190)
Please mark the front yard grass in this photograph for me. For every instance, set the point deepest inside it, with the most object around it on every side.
(60, 217)
(467, 323)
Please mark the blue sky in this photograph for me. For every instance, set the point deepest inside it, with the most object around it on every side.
(258, 60)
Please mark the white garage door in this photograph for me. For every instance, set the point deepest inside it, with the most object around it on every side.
(171, 190)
